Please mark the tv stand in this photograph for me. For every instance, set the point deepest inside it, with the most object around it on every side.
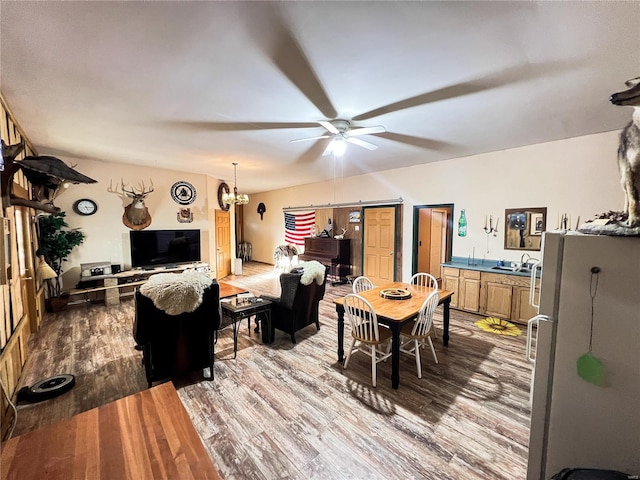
(112, 284)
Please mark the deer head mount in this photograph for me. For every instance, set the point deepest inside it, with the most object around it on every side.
(136, 215)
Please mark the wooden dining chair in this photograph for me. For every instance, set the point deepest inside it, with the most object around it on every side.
(362, 284)
(416, 334)
(366, 337)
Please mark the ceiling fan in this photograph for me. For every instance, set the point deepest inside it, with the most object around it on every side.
(340, 132)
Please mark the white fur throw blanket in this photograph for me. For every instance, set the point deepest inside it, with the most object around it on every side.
(176, 293)
(312, 270)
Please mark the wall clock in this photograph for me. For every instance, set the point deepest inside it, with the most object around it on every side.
(183, 193)
(222, 189)
(85, 206)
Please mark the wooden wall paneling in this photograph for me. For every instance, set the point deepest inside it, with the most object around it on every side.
(341, 221)
(17, 303)
(5, 314)
(4, 126)
(15, 280)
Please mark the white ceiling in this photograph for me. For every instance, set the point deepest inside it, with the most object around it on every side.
(195, 86)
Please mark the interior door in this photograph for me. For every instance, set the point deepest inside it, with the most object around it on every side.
(431, 242)
(438, 242)
(223, 243)
(379, 243)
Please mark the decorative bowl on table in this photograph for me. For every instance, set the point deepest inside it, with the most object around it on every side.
(395, 293)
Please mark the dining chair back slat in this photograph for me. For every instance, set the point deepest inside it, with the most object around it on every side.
(424, 322)
(365, 334)
(422, 279)
(362, 284)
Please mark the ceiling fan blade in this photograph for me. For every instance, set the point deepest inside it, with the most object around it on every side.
(272, 33)
(309, 138)
(329, 126)
(440, 94)
(328, 150)
(507, 76)
(311, 154)
(366, 131)
(239, 126)
(426, 143)
(361, 143)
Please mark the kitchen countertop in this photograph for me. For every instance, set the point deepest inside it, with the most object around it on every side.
(487, 267)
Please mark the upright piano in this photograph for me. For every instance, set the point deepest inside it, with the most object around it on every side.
(334, 253)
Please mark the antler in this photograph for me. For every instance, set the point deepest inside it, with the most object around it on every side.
(132, 193)
(143, 191)
(110, 188)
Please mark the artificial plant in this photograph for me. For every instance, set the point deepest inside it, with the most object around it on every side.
(56, 243)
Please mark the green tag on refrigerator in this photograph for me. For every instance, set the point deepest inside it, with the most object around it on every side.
(591, 370)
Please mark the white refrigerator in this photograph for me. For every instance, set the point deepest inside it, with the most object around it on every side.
(575, 423)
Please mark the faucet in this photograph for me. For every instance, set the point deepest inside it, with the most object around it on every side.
(524, 259)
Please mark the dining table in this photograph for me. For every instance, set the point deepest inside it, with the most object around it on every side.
(394, 313)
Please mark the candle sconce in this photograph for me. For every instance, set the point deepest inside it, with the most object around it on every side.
(564, 222)
(491, 228)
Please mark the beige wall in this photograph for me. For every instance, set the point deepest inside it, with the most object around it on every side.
(107, 237)
(577, 176)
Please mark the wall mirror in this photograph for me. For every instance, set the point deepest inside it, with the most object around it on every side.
(523, 228)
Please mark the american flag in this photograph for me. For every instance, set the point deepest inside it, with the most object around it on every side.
(297, 226)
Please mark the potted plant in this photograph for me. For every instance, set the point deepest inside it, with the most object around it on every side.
(56, 243)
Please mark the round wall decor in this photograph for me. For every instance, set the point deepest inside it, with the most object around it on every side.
(183, 193)
(222, 189)
(85, 206)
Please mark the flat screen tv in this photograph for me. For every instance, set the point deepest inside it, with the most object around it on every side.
(151, 248)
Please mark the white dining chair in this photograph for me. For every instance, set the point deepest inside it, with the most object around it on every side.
(416, 334)
(366, 337)
(362, 284)
(422, 279)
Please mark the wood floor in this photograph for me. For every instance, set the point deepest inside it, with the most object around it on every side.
(285, 411)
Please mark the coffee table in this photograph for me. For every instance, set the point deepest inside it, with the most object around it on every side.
(238, 310)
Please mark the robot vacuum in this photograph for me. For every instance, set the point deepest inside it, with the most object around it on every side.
(47, 388)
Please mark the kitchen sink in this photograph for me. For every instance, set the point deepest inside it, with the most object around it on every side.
(512, 269)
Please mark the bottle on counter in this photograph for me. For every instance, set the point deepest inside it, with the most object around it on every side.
(462, 224)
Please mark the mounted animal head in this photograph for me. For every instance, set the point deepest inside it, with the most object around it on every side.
(136, 215)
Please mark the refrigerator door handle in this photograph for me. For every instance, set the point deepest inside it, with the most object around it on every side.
(532, 288)
(533, 321)
(531, 358)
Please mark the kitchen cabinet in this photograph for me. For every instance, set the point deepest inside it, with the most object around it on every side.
(492, 294)
(521, 309)
(469, 290)
(496, 299)
(506, 296)
(451, 282)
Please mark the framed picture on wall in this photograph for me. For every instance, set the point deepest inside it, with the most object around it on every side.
(354, 217)
(537, 224)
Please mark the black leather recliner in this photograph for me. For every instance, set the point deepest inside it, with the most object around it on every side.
(297, 306)
(174, 345)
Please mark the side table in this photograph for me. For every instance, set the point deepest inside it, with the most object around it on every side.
(237, 311)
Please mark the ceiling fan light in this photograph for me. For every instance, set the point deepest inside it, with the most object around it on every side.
(339, 146)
